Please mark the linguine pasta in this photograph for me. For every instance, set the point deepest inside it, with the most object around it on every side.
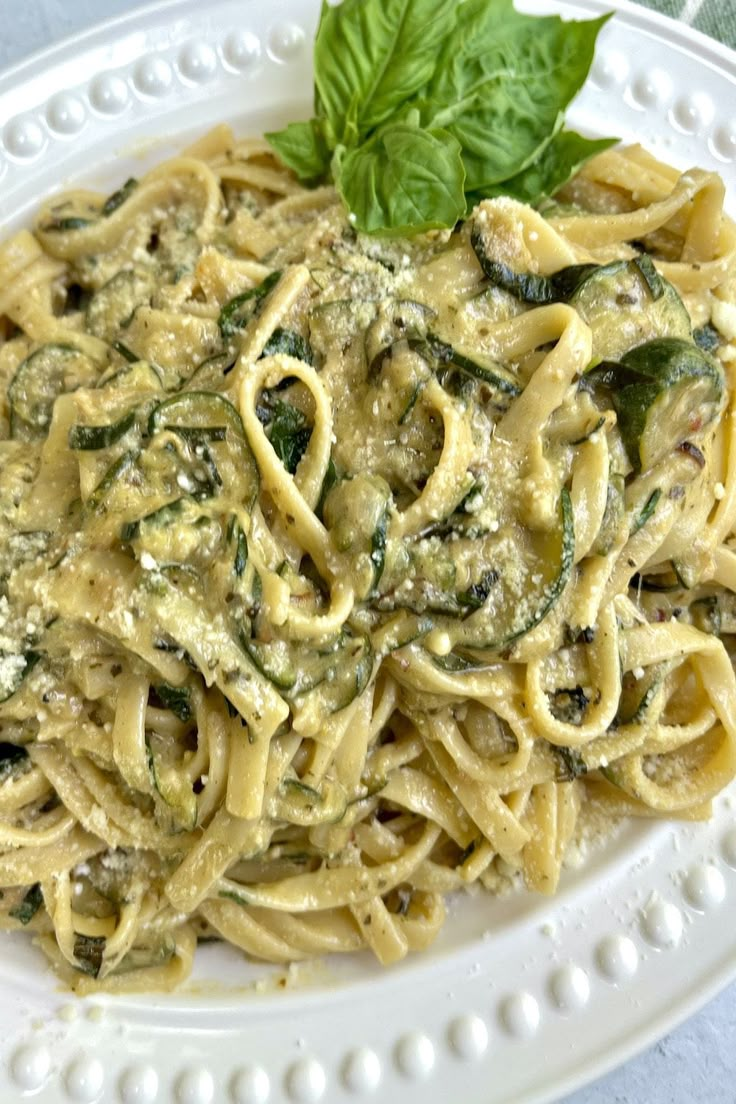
(337, 573)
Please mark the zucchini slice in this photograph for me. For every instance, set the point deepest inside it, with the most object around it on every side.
(85, 438)
(335, 673)
(119, 471)
(624, 302)
(112, 307)
(236, 314)
(627, 303)
(211, 425)
(472, 364)
(171, 783)
(211, 374)
(504, 618)
(664, 392)
(47, 373)
(612, 515)
(396, 320)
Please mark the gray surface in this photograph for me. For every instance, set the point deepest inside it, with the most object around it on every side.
(695, 1064)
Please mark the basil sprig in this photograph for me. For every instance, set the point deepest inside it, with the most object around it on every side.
(422, 108)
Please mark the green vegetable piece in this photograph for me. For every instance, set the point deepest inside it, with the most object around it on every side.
(199, 418)
(647, 511)
(118, 198)
(173, 787)
(125, 352)
(508, 620)
(241, 551)
(569, 705)
(705, 614)
(612, 515)
(412, 402)
(558, 161)
(236, 314)
(572, 764)
(627, 303)
(416, 102)
(143, 958)
(477, 594)
(371, 57)
(289, 434)
(62, 225)
(114, 474)
(112, 307)
(403, 180)
(175, 698)
(652, 278)
(288, 343)
(86, 438)
(479, 367)
(530, 287)
(198, 435)
(303, 148)
(501, 84)
(664, 392)
(274, 660)
(457, 664)
(378, 548)
(210, 374)
(164, 515)
(47, 373)
(330, 480)
(29, 906)
(89, 951)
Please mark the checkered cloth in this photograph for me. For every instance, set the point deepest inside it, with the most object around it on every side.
(716, 18)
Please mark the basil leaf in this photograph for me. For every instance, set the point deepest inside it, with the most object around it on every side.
(289, 434)
(501, 83)
(403, 180)
(559, 160)
(371, 56)
(175, 698)
(288, 343)
(302, 147)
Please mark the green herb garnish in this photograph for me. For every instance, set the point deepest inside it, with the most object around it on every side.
(424, 108)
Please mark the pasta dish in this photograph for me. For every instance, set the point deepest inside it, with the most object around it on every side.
(339, 573)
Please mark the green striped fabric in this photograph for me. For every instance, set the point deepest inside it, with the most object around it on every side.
(716, 18)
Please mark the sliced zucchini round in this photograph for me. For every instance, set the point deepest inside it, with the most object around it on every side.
(47, 373)
(210, 424)
(112, 307)
(627, 303)
(664, 392)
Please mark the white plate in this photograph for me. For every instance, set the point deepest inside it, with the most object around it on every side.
(522, 999)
